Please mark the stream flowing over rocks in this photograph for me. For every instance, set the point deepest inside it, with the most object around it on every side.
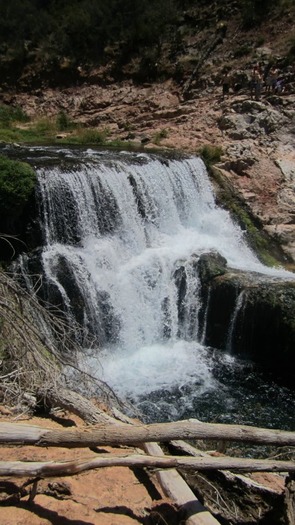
(170, 298)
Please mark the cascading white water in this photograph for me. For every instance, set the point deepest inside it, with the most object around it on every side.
(231, 328)
(120, 229)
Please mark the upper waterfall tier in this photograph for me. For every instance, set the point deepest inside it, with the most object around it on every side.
(138, 203)
(116, 232)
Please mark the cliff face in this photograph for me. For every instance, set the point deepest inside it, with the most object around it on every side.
(172, 98)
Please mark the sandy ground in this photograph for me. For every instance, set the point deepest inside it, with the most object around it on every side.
(106, 496)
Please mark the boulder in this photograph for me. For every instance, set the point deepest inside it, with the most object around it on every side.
(249, 118)
(250, 315)
(211, 265)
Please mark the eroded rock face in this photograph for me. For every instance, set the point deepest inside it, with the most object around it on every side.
(257, 137)
(251, 119)
(259, 162)
(250, 315)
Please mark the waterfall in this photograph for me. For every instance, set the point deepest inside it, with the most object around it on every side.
(123, 234)
(203, 335)
(238, 307)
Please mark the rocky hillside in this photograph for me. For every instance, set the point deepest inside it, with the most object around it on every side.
(189, 42)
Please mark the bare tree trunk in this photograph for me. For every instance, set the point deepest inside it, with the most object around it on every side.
(177, 489)
(68, 468)
(124, 434)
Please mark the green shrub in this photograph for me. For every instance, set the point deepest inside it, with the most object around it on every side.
(242, 51)
(163, 134)
(9, 114)
(63, 122)
(127, 126)
(17, 181)
(90, 136)
(9, 135)
(45, 126)
(210, 154)
(260, 41)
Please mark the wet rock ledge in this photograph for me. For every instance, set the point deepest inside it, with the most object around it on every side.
(250, 315)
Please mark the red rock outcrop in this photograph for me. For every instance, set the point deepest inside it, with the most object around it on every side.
(256, 137)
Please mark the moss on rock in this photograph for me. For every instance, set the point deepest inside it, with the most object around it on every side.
(17, 182)
(266, 248)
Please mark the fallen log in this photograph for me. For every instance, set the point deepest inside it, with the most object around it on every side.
(172, 483)
(69, 468)
(230, 494)
(195, 513)
(124, 434)
(75, 403)
(182, 446)
(177, 489)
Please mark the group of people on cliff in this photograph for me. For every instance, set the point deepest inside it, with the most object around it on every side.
(268, 79)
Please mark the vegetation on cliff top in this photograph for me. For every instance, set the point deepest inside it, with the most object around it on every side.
(51, 35)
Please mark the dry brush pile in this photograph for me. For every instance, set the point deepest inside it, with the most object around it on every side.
(38, 352)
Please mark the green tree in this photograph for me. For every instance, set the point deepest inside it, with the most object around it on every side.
(255, 11)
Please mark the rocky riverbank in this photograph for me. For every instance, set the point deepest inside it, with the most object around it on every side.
(256, 137)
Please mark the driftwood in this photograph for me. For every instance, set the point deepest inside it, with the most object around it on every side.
(124, 434)
(173, 485)
(189, 450)
(108, 431)
(48, 469)
(77, 404)
(232, 495)
(176, 488)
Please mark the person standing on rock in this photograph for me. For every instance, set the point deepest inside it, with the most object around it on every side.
(271, 79)
(225, 84)
(258, 86)
(256, 83)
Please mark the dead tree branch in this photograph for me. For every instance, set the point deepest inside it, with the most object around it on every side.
(69, 468)
(124, 434)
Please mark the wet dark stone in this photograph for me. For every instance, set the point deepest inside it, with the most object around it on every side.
(181, 284)
(262, 326)
(138, 198)
(211, 265)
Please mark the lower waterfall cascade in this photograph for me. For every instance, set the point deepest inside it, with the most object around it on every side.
(118, 229)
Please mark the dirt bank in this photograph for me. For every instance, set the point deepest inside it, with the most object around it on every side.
(108, 496)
